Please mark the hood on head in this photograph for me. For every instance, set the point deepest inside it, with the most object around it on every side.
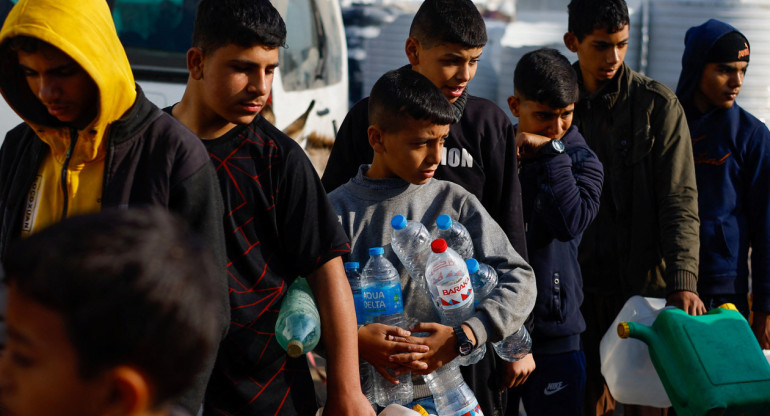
(698, 41)
(84, 30)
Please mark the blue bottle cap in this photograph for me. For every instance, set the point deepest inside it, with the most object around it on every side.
(443, 222)
(473, 265)
(398, 222)
(350, 265)
(376, 251)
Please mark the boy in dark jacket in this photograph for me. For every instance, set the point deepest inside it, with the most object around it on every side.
(561, 180)
(445, 43)
(644, 240)
(278, 223)
(91, 140)
(111, 313)
(732, 169)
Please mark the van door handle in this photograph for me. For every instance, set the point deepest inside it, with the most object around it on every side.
(323, 112)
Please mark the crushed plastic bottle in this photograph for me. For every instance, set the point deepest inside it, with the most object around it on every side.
(298, 327)
(383, 303)
(411, 243)
(515, 346)
(456, 236)
(451, 394)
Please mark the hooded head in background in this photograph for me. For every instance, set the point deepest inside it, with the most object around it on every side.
(84, 31)
(713, 42)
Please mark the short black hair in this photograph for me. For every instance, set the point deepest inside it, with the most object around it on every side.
(245, 23)
(546, 76)
(133, 287)
(585, 16)
(449, 21)
(404, 93)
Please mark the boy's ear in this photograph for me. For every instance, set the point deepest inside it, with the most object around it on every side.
(195, 63)
(412, 49)
(375, 139)
(130, 393)
(570, 41)
(513, 104)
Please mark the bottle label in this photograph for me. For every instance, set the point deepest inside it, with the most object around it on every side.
(456, 294)
(358, 302)
(471, 410)
(383, 300)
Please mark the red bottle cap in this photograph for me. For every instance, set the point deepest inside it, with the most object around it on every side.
(438, 245)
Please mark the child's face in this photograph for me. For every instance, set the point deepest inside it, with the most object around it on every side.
(413, 153)
(449, 66)
(237, 81)
(541, 119)
(38, 369)
(61, 85)
(600, 55)
(720, 85)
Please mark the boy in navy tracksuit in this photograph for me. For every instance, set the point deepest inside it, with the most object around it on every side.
(561, 181)
(732, 169)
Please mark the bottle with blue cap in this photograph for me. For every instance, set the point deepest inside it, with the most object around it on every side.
(383, 303)
(411, 243)
(352, 271)
(451, 394)
(456, 236)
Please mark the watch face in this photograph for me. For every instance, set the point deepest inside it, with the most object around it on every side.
(558, 145)
(465, 348)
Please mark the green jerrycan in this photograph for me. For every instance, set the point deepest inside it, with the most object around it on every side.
(709, 364)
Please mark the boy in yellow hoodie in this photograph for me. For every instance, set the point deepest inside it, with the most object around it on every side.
(91, 140)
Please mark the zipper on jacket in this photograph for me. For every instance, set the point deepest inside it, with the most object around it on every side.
(65, 165)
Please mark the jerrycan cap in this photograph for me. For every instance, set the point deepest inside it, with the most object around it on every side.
(728, 306)
(398, 222)
(438, 245)
(421, 410)
(294, 348)
(473, 265)
(624, 330)
(443, 222)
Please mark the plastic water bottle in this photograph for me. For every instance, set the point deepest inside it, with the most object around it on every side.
(352, 271)
(456, 236)
(384, 304)
(452, 291)
(483, 279)
(411, 243)
(450, 393)
(298, 328)
(515, 346)
(365, 369)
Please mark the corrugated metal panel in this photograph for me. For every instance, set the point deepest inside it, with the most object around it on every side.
(386, 51)
(670, 19)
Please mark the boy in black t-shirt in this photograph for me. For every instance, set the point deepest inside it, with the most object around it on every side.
(278, 221)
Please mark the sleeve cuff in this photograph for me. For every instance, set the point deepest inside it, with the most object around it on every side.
(479, 329)
(682, 280)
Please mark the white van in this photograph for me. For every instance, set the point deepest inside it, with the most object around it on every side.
(313, 67)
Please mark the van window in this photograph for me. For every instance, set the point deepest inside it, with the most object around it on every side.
(311, 59)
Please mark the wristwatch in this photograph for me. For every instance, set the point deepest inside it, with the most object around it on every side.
(464, 344)
(554, 147)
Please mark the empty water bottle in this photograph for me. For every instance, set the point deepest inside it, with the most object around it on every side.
(451, 394)
(483, 279)
(411, 243)
(456, 236)
(355, 280)
(452, 291)
(514, 347)
(298, 328)
(383, 303)
(356, 284)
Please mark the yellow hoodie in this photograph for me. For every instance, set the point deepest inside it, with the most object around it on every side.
(84, 30)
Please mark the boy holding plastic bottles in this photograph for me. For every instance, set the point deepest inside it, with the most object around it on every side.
(409, 121)
(561, 180)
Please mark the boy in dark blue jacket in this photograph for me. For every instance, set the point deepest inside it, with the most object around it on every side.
(561, 180)
(732, 169)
